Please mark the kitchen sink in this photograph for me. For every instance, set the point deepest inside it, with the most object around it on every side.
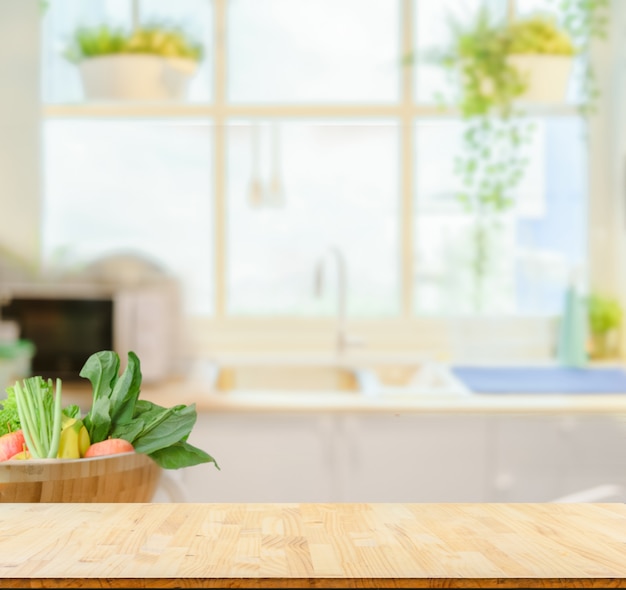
(288, 377)
(409, 379)
(370, 376)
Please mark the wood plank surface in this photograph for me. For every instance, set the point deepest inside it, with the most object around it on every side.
(313, 545)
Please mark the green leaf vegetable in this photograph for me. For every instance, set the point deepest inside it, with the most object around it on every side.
(116, 412)
(40, 412)
(9, 418)
(153, 39)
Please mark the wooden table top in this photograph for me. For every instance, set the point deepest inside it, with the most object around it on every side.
(313, 545)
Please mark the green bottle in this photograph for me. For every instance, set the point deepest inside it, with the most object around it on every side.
(573, 328)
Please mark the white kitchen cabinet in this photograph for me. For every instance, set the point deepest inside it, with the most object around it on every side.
(526, 456)
(264, 457)
(325, 456)
(411, 457)
(338, 457)
(595, 453)
(539, 458)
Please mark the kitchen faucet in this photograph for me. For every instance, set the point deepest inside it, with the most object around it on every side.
(342, 340)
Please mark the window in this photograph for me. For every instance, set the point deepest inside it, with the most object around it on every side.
(339, 185)
(533, 249)
(303, 131)
(108, 191)
(313, 51)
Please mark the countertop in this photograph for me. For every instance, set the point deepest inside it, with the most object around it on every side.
(187, 391)
(313, 545)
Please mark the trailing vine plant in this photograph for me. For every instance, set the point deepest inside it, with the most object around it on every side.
(497, 130)
(586, 21)
(492, 162)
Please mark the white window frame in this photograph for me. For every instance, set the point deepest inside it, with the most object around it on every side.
(533, 337)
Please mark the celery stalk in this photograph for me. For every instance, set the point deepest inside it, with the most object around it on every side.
(32, 402)
(56, 427)
(28, 428)
(38, 395)
(40, 414)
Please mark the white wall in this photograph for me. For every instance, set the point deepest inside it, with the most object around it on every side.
(20, 130)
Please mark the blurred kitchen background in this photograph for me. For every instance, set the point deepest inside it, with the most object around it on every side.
(307, 194)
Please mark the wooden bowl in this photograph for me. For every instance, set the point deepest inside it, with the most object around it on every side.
(124, 477)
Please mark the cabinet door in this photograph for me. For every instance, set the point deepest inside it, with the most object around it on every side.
(413, 457)
(528, 457)
(263, 456)
(544, 458)
(595, 455)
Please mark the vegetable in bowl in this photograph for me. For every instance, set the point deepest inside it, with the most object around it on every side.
(116, 412)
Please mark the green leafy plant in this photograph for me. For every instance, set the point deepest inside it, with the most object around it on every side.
(497, 131)
(479, 60)
(116, 412)
(605, 313)
(153, 39)
(605, 317)
(586, 21)
(493, 158)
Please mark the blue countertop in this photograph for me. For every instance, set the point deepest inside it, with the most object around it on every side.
(533, 379)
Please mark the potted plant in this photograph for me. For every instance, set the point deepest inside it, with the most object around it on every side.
(542, 55)
(153, 62)
(496, 67)
(497, 64)
(605, 318)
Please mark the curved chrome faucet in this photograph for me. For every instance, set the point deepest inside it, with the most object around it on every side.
(342, 340)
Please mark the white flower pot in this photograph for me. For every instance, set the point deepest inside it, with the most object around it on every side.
(547, 76)
(136, 77)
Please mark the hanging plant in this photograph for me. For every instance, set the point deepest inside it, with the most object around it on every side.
(586, 21)
(153, 62)
(496, 129)
(481, 60)
(487, 62)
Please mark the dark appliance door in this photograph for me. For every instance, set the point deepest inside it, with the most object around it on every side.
(65, 332)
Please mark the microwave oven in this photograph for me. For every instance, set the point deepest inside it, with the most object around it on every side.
(69, 322)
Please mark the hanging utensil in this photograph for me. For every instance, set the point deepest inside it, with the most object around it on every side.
(255, 194)
(276, 195)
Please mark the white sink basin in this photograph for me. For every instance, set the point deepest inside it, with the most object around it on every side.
(370, 376)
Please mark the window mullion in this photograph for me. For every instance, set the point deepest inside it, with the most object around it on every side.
(511, 10)
(135, 14)
(407, 165)
(219, 172)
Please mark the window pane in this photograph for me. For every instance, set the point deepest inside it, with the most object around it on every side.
(61, 81)
(313, 50)
(142, 187)
(529, 254)
(340, 187)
